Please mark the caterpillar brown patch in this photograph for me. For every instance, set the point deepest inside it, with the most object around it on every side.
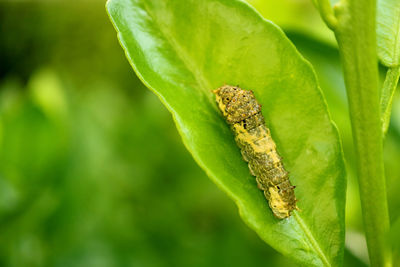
(243, 113)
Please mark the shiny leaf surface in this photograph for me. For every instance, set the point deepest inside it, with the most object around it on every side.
(181, 50)
(388, 32)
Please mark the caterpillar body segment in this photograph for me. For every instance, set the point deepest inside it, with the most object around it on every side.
(242, 112)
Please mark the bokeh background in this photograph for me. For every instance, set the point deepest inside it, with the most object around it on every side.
(92, 169)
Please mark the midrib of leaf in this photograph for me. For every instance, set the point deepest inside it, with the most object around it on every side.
(180, 52)
(311, 238)
(205, 84)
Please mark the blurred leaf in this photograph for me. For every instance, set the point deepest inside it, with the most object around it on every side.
(352, 261)
(183, 49)
(48, 94)
(392, 240)
(388, 32)
(298, 16)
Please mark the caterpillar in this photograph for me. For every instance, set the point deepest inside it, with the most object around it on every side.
(242, 112)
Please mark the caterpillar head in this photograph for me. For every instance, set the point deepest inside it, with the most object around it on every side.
(224, 96)
(236, 104)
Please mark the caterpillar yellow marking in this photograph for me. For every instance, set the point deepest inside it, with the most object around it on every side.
(259, 143)
(243, 113)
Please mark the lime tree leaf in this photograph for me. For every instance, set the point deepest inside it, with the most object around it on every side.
(388, 32)
(388, 39)
(183, 49)
(296, 16)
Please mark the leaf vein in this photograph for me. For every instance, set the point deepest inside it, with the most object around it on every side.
(311, 238)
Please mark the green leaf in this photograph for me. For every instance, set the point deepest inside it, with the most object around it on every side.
(388, 32)
(181, 50)
(388, 38)
(296, 16)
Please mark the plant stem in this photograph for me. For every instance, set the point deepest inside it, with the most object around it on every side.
(326, 11)
(356, 37)
(388, 90)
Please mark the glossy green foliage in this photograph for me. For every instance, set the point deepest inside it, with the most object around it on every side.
(388, 32)
(388, 38)
(298, 16)
(182, 50)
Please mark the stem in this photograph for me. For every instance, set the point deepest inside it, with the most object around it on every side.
(388, 90)
(356, 37)
(326, 11)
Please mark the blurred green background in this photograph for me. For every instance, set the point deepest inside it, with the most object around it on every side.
(92, 169)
